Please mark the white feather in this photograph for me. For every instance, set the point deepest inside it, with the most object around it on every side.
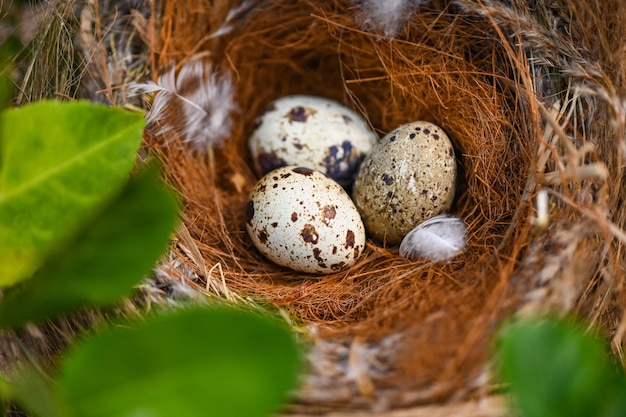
(439, 239)
(205, 96)
(387, 16)
(238, 12)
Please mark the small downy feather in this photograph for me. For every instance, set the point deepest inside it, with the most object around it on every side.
(387, 17)
(439, 239)
(197, 103)
(238, 12)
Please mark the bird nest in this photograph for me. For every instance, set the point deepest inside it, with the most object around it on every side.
(531, 97)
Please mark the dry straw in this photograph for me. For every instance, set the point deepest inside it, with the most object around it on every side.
(530, 93)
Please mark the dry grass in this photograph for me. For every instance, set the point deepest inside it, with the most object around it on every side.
(532, 98)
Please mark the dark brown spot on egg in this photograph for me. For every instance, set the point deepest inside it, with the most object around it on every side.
(436, 137)
(346, 119)
(392, 139)
(250, 212)
(263, 236)
(328, 213)
(309, 234)
(275, 186)
(434, 198)
(412, 136)
(269, 162)
(318, 258)
(350, 239)
(294, 217)
(342, 162)
(338, 266)
(451, 152)
(285, 175)
(303, 171)
(297, 114)
(334, 250)
(427, 131)
(418, 129)
(275, 224)
(298, 146)
(388, 179)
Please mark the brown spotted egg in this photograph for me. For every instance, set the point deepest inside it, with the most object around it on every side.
(313, 132)
(299, 218)
(407, 178)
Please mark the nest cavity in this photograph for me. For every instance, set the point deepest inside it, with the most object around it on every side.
(523, 105)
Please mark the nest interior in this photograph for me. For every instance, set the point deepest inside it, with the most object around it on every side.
(523, 92)
(531, 95)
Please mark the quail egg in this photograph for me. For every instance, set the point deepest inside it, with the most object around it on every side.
(407, 178)
(300, 218)
(313, 132)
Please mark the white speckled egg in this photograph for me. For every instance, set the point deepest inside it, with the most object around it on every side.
(407, 178)
(299, 218)
(313, 132)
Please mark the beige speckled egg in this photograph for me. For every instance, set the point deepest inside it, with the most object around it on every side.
(313, 132)
(407, 178)
(299, 218)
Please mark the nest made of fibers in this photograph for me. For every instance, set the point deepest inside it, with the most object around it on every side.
(532, 97)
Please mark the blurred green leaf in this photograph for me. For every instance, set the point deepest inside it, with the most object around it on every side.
(554, 369)
(196, 362)
(6, 87)
(58, 163)
(6, 391)
(104, 260)
(616, 401)
(8, 52)
(35, 394)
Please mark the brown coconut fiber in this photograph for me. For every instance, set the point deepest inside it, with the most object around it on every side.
(532, 97)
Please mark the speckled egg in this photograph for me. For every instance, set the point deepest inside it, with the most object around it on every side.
(299, 218)
(313, 132)
(407, 178)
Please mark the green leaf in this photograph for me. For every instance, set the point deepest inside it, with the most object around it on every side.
(58, 163)
(6, 395)
(104, 260)
(6, 391)
(198, 362)
(555, 369)
(6, 87)
(35, 394)
(8, 52)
